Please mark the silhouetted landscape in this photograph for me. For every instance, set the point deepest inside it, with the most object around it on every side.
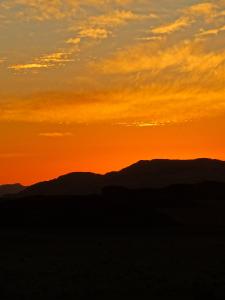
(156, 228)
(11, 189)
(88, 89)
(143, 174)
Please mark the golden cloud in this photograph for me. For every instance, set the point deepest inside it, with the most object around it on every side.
(28, 66)
(149, 106)
(95, 33)
(147, 84)
(74, 41)
(117, 17)
(206, 8)
(55, 134)
(44, 62)
(184, 57)
(100, 26)
(174, 26)
(58, 57)
(43, 10)
(213, 31)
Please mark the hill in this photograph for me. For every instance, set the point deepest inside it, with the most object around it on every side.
(143, 174)
(9, 189)
(195, 206)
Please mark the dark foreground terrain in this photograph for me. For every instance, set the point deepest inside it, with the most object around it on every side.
(77, 266)
(166, 243)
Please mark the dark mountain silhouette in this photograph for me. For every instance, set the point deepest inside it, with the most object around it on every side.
(71, 184)
(143, 174)
(193, 206)
(156, 226)
(11, 189)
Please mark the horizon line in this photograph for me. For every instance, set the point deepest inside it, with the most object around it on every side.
(104, 173)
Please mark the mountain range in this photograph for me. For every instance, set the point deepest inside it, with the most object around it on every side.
(147, 194)
(157, 173)
(11, 189)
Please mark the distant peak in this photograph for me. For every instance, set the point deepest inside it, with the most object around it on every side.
(208, 159)
(176, 160)
(164, 162)
(11, 184)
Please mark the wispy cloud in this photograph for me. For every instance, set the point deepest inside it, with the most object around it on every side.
(117, 18)
(191, 14)
(202, 9)
(213, 31)
(31, 66)
(55, 58)
(142, 124)
(156, 69)
(55, 134)
(184, 57)
(173, 26)
(74, 41)
(152, 106)
(45, 62)
(101, 26)
(43, 10)
(95, 33)
(150, 38)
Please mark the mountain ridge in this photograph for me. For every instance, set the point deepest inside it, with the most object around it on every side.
(155, 173)
(11, 189)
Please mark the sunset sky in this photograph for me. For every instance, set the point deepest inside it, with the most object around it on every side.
(95, 85)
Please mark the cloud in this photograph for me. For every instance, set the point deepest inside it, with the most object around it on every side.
(150, 38)
(101, 26)
(58, 57)
(183, 57)
(145, 81)
(117, 18)
(94, 33)
(204, 9)
(55, 134)
(189, 15)
(149, 106)
(45, 61)
(20, 67)
(74, 41)
(209, 11)
(36, 10)
(62, 110)
(144, 124)
(213, 31)
(42, 10)
(174, 26)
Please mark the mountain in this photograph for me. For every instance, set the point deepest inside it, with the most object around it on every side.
(163, 172)
(11, 189)
(70, 184)
(189, 207)
(156, 173)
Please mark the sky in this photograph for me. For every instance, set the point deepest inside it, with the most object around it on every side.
(96, 85)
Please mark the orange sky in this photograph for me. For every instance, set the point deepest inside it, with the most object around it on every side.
(96, 85)
(102, 148)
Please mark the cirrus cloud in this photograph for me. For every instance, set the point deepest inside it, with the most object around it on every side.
(174, 26)
(45, 61)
